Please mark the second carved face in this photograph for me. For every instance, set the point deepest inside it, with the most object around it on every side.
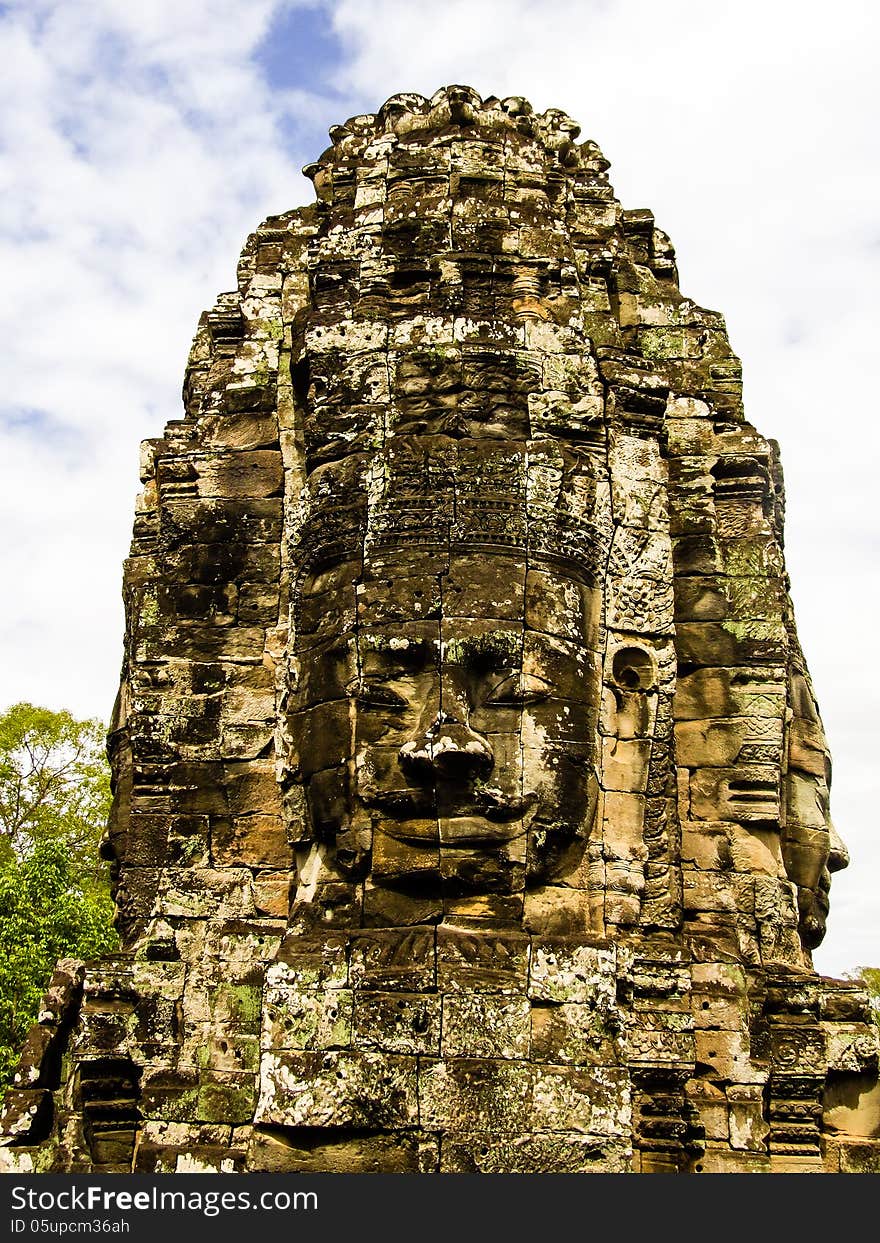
(811, 846)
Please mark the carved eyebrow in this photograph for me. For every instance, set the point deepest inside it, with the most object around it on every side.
(397, 648)
(498, 646)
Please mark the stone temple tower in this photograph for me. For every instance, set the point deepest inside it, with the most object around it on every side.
(471, 795)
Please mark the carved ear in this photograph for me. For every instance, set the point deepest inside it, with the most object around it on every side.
(630, 700)
(633, 669)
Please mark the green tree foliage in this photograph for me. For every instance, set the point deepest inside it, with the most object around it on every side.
(870, 978)
(45, 914)
(54, 784)
(54, 892)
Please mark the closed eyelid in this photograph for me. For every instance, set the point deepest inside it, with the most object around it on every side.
(375, 691)
(518, 688)
(392, 657)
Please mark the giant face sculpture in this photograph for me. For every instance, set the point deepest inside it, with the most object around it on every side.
(455, 765)
(811, 846)
(473, 551)
(457, 612)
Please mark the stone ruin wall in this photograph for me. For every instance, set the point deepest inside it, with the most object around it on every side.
(464, 356)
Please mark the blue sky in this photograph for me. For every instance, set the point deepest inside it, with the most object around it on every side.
(302, 48)
(140, 143)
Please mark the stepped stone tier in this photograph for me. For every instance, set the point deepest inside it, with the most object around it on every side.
(471, 795)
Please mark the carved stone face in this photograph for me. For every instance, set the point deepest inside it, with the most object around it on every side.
(811, 847)
(454, 753)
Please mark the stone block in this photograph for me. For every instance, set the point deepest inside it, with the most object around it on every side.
(485, 1025)
(709, 743)
(594, 1101)
(479, 960)
(306, 1018)
(860, 1158)
(745, 794)
(246, 473)
(705, 845)
(396, 959)
(203, 892)
(397, 1022)
(699, 599)
(227, 1097)
(725, 1160)
(257, 840)
(366, 1091)
(726, 1055)
(27, 1115)
(794, 1163)
(714, 1011)
(571, 1033)
(798, 1045)
(571, 971)
(559, 910)
(707, 891)
(710, 1102)
(538, 1152)
(625, 764)
(476, 1094)
(748, 1128)
(623, 823)
(311, 962)
(272, 893)
(271, 1153)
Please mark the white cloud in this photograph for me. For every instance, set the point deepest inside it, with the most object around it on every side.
(140, 145)
(141, 142)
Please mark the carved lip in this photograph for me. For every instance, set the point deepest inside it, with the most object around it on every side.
(490, 804)
(456, 831)
(484, 818)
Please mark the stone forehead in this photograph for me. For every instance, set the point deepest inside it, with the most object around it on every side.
(495, 580)
(434, 494)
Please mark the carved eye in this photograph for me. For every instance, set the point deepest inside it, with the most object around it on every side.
(374, 694)
(518, 689)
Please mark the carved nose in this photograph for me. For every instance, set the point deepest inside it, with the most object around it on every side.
(838, 857)
(447, 750)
